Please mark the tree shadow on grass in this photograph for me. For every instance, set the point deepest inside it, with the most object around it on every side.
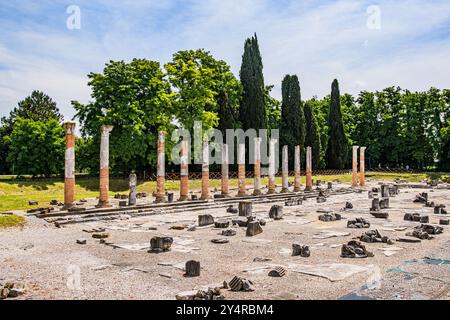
(115, 184)
(443, 176)
(38, 185)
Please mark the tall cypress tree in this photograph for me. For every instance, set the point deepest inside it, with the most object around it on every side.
(252, 111)
(312, 138)
(338, 142)
(293, 129)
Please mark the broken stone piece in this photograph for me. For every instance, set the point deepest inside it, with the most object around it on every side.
(408, 239)
(262, 222)
(444, 222)
(358, 223)
(33, 203)
(229, 233)
(355, 249)
(421, 198)
(277, 272)
(100, 235)
(178, 227)
(192, 269)
(370, 194)
(380, 215)
(374, 236)
(375, 205)
(241, 284)
(220, 241)
(321, 199)
(205, 220)
(300, 250)
(160, 244)
(222, 224)
(81, 241)
(245, 208)
(232, 209)
(276, 212)
(194, 197)
(384, 203)
(348, 205)
(240, 221)
(294, 202)
(253, 229)
(327, 217)
(258, 259)
(123, 203)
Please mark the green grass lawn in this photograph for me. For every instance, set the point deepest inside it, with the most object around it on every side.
(14, 194)
(9, 221)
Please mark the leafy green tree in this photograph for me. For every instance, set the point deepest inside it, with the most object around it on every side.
(293, 129)
(320, 111)
(36, 147)
(312, 138)
(38, 107)
(337, 144)
(206, 90)
(253, 107)
(137, 100)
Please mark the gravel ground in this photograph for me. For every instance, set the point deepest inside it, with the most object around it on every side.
(48, 260)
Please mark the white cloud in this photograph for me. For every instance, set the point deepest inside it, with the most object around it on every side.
(317, 42)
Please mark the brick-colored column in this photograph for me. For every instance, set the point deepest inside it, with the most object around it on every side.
(362, 166)
(297, 169)
(355, 167)
(69, 176)
(184, 171)
(285, 170)
(257, 168)
(104, 166)
(309, 183)
(205, 171)
(161, 168)
(241, 170)
(272, 185)
(225, 186)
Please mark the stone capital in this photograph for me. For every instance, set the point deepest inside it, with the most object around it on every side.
(69, 126)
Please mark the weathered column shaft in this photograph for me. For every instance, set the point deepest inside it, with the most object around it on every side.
(309, 183)
(362, 166)
(285, 170)
(104, 166)
(184, 171)
(257, 167)
(161, 168)
(272, 185)
(205, 171)
(355, 166)
(69, 176)
(241, 169)
(225, 186)
(297, 169)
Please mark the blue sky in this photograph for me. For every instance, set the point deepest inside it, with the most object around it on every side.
(317, 40)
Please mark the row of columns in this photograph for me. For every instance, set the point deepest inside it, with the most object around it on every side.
(69, 182)
(362, 151)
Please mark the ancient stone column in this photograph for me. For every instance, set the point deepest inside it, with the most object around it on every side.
(104, 166)
(272, 185)
(257, 169)
(205, 171)
(161, 168)
(362, 166)
(184, 171)
(241, 170)
(309, 183)
(285, 170)
(355, 167)
(297, 169)
(225, 186)
(69, 177)
(133, 186)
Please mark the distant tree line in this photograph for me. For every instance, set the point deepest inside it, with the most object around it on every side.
(400, 128)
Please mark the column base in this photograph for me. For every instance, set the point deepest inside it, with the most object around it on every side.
(160, 199)
(284, 190)
(271, 191)
(241, 194)
(308, 189)
(68, 206)
(297, 189)
(183, 198)
(103, 204)
(257, 192)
